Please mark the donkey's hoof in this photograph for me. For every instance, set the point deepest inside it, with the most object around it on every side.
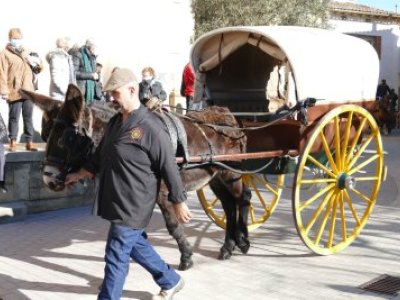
(244, 247)
(224, 254)
(185, 265)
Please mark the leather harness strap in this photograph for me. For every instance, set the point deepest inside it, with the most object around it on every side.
(210, 156)
(177, 134)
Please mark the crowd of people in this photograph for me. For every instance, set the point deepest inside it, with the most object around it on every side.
(67, 64)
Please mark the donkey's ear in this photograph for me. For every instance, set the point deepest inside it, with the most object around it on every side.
(73, 93)
(45, 103)
(74, 102)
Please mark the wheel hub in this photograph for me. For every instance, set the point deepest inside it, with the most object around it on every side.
(346, 181)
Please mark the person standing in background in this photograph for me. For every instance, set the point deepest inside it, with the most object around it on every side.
(84, 61)
(61, 68)
(149, 87)
(382, 90)
(16, 74)
(187, 85)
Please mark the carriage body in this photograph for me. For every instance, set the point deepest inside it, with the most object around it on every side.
(236, 67)
(261, 72)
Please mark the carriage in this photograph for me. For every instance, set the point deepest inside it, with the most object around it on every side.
(299, 103)
(304, 97)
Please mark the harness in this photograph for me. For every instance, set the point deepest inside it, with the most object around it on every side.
(177, 134)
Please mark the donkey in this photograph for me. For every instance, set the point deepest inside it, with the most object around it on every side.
(384, 115)
(72, 129)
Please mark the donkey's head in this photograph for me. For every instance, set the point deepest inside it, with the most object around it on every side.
(65, 128)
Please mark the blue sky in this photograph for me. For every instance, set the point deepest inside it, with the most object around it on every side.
(382, 4)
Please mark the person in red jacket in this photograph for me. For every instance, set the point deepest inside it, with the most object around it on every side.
(187, 85)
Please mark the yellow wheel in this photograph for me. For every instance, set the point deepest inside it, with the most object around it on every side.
(337, 179)
(266, 192)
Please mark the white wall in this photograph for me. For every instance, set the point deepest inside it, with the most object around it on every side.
(130, 34)
(390, 55)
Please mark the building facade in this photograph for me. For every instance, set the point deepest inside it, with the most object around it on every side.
(378, 27)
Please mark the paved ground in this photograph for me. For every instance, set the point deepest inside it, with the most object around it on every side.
(59, 255)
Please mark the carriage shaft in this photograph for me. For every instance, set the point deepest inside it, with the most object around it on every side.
(238, 157)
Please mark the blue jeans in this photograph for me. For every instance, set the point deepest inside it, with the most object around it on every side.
(124, 242)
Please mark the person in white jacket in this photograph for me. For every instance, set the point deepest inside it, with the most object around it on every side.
(61, 68)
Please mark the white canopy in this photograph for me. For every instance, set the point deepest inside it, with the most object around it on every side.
(325, 64)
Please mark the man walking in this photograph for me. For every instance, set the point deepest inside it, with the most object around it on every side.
(133, 157)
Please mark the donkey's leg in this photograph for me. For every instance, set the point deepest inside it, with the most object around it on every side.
(242, 233)
(176, 230)
(229, 206)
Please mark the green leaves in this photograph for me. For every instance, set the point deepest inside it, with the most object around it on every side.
(212, 14)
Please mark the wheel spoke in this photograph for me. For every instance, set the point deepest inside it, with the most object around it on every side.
(369, 178)
(266, 185)
(360, 151)
(350, 204)
(343, 217)
(322, 226)
(337, 144)
(317, 213)
(213, 203)
(355, 139)
(328, 152)
(316, 196)
(361, 195)
(321, 166)
(252, 215)
(363, 164)
(223, 217)
(346, 137)
(333, 221)
(260, 197)
(319, 180)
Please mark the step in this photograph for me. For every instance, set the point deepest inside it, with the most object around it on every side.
(12, 212)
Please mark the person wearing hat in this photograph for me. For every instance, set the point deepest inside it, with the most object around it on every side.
(133, 157)
(84, 61)
(16, 74)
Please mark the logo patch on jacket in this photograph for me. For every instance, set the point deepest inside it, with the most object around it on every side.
(136, 134)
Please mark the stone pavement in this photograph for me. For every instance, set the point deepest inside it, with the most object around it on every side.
(59, 255)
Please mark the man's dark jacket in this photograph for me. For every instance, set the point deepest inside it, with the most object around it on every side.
(131, 159)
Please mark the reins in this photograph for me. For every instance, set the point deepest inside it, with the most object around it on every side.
(301, 106)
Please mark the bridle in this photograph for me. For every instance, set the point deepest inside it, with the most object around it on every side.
(70, 150)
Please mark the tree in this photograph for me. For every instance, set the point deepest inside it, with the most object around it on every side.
(212, 14)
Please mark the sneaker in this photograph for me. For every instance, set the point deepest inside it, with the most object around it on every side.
(169, 294)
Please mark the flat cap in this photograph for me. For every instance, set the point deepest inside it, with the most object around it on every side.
(119, 77)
